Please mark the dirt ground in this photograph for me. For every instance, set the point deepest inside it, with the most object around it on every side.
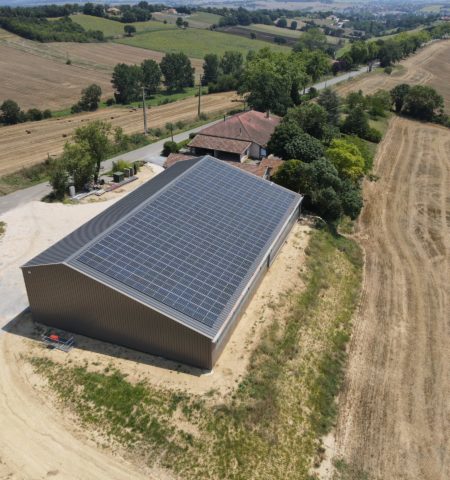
(36, 75)
(394, 410)
(29, 143)
(36, 439)
(430, 66)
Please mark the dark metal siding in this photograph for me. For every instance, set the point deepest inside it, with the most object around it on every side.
(64, 298)
(225, 335)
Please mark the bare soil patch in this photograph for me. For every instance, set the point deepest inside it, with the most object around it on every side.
(29, 143)
(394, 410)
(36, 74)
(430, 66)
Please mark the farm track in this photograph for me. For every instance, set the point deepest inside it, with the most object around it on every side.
(47, 137)
(394, 409)
(430, 66)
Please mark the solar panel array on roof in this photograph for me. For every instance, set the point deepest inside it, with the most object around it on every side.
(193, 245)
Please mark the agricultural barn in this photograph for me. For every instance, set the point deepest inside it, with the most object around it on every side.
(170, 268)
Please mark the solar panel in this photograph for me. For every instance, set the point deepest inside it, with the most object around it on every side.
(193, 245)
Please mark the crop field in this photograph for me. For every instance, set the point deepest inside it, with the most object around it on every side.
(196, 43)
(283, 32)
(26, 144)
(394, 407)
(430, 66)
(36, 75)
(111, 28)
(196, 20)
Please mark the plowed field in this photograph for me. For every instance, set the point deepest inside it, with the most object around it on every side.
(21, 149)
(430, 66)
(395, 410)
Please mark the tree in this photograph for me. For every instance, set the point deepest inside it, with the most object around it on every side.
(179, 22)
(421, 102)
(282, 23)
(34, 114)
(356, 99)
(317, 64)
(304, 147)
(398, 96)
(282, 135)
(311, 118)
(79, 164)
(129, 30)
(59, 178)
(127, 80)
(359, 52)
(313, 39)
(356, 122)
(379, 102)
(210, 68)
(90, 98)
(10, 113)
(232, 63)
(94, 140)
(185, 24)
(329, 100)
(177, 70)
(347, 159)
(293, 25)
(151, 76)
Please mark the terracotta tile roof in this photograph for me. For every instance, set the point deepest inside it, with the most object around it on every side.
(273, 163)
(251, 126)
(175, 158)
(220, 144)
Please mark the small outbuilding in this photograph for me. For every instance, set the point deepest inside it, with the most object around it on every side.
(170, 268)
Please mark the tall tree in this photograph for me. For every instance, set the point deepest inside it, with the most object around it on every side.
(177, 70)
(232, 63)
(90, 97)
(313, 39)
(93, 138)
(422, 102)
(347, 159)
(398, 95)
(311, 118)
(210, 68)
(151, 76)
(329, 100)
(127, 81)
(10, 113)
(129, 30)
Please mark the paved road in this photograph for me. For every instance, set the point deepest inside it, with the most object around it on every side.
(150, 153)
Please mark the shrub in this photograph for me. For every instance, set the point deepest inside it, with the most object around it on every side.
(388, 70)
(47, 113)
(110, 101)
(373, 135)
(120, 165)
(170, 147)
(304, 147)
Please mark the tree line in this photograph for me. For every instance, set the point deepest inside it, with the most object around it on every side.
(42, 30)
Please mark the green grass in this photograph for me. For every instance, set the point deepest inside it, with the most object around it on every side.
(205, 18)
(196, 43)
(381, 123)
(111, 28)
(26, 177)
(272, 29)
(271, 426)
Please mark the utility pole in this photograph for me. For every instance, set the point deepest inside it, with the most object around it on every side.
(199, 97)
(144, 107)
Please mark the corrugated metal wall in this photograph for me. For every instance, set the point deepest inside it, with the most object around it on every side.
(64, 298)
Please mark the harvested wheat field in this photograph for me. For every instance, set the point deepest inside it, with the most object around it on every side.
(36, 74)
(394, 410)
(429, 66)
(29, 143)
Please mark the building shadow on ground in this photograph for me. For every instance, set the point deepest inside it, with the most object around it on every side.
(24, 326)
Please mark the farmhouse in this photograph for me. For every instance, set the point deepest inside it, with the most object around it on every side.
(236, 138)
(170, 268)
